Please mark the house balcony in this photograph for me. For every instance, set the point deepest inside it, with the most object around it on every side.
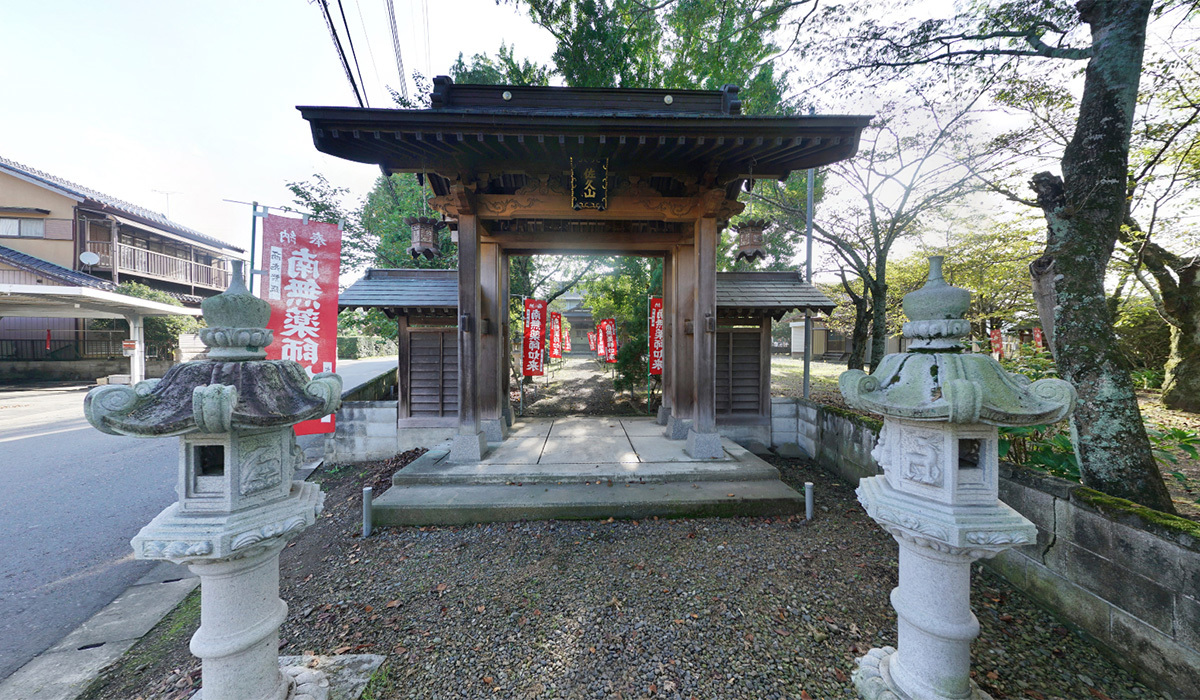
(131, 260)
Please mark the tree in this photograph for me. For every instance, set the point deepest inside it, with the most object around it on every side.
(1085, 207)
(623, 294)
(159, 331)
(916, 161)
(992, 263)
(696, 44)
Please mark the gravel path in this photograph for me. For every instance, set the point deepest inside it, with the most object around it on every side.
(581, 385)
(742, 608)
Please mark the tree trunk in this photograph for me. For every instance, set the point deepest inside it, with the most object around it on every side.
(1041, 271)
(1084, 214)
(860, 335)
(878, 322)
(1181, 387)
(862, 325)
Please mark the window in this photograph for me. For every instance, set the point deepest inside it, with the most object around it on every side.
(23, 228)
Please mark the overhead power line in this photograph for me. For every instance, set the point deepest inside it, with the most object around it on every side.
(391, 10)
(354, 55)
(337, 44)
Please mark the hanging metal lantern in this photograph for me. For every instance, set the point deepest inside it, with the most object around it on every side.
(750, 239)
(424, 236)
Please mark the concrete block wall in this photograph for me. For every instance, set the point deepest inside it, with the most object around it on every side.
(75, 370)
(842, 442)
(366, 430)
(1131, 582)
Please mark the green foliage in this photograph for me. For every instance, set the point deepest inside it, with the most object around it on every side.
(160, 331)
(353, 347)
(384, 233)
(1166, 441)
(1044, 447)
(1048, 448)
(685, 44)
(1032, 362)
(1148, 378)
(623, 294)
(1142, 335)
(504, 69)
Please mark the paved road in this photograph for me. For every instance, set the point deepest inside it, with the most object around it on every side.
(72, 499)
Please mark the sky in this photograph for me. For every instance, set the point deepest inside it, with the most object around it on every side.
(176, 106)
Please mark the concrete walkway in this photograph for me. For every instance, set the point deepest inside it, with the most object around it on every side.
(571, 468)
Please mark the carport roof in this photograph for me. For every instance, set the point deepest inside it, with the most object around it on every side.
(42, 300)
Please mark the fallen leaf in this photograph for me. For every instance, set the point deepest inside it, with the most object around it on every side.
(400, 649)
(1035, 694)
(368, 608)
(804, 695)
(652, 688)
(441, 588)
(839, 674)
(488, 680)
(480, 609)
(392, 604)
(993, 675)
(342, 650)
(1098, 694)
(782, 632)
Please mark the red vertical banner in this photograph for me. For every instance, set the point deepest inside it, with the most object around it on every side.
(611, 344)
(303, 261)
(656, 335)
(600, 333)
(555, 335)
(566, 339)
(1038, 340)
(997, 342)
(592, 341)
(535, 332)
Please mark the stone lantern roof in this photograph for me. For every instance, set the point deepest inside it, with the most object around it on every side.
(937, 381)
(234, 390)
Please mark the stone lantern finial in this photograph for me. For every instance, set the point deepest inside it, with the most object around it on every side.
(938, 495)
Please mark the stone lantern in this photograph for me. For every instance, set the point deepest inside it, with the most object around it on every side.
(938, 495)
(424, 236)
(750, 239)
(238, 504)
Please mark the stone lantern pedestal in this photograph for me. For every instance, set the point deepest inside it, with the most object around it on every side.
(938, 495)
(238, 504)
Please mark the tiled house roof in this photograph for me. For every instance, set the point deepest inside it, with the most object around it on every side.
(110, 204)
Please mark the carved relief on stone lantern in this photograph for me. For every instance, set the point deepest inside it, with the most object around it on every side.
(238, 505)
(939, 493)
(425, 232)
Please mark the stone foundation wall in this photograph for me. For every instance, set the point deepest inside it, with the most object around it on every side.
(74, 370)
(366, 430)
(1125, 575)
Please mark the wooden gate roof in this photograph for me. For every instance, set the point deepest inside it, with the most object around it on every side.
(499, 135)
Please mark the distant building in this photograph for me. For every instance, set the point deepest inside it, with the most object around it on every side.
(56, 232)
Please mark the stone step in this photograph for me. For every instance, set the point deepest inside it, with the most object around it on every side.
(431, 469)
(464, 505)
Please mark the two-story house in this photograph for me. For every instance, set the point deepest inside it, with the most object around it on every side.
(56, 232)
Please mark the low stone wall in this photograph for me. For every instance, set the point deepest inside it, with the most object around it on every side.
(381, 388)
(366, 430)
(1126, 575)
(74, 370)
